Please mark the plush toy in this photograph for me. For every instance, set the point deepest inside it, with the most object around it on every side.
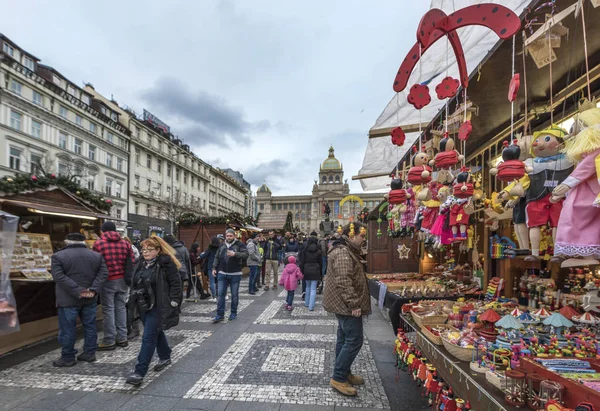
(578, 233)
(549, 169)
(448, 157)
(420, 175)
(462, 191)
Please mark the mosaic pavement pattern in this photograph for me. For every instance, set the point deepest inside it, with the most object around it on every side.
(287, 368)
(107, 374)
(276, 313)
(205, 311)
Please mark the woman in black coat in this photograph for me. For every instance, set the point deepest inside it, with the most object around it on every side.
(156, 289)
(311, 265)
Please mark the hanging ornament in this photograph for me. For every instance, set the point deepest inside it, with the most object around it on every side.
(513, 88)
(419, 96)
(108, 201)
(379, 233)
(464, 131)
(78, 193)
(447, 88)
(34, 178)
(10, 180)
(403, 251)
(398, 136)
(52, 175)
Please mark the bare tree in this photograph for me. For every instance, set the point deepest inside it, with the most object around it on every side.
(171, 207)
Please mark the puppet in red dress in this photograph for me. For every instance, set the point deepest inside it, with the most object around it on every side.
(462, 191)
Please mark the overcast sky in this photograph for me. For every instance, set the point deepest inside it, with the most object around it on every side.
(261, 86)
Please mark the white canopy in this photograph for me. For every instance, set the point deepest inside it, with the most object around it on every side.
(381, 155)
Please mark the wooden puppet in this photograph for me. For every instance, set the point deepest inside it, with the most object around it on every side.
(419, 175)
(462, 191)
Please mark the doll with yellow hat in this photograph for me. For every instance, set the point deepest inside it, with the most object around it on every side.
(549, 169)
(579, 225)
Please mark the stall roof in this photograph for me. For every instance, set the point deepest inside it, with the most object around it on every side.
(381, 155)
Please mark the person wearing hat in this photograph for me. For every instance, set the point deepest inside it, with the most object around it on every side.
(78, 274)
(228, 269)
(119, 260)
(548, 169)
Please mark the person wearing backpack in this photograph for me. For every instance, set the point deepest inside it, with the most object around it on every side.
(254, 261)
(183, 256)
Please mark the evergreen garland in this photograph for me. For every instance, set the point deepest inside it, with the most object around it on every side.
(188, 219)
(22, 183)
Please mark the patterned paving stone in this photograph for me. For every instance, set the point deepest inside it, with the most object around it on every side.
(276, 313)
(107, 374)
(284, 368)
(205, 311)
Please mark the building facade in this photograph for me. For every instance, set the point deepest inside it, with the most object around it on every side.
(330, 190)
(226, 194)
(49, 124)
(249, 198)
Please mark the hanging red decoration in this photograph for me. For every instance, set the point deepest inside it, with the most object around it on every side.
(447, 88)
(52, 175)
(464, 131)
(34, 178)
(398, 136)
(419, 96)
(435, 24)
(513, 88)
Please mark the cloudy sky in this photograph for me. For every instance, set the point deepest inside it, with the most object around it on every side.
(261, 86)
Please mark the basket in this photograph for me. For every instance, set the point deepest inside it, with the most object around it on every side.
(436, 339)
(422, 320)
(462, 353)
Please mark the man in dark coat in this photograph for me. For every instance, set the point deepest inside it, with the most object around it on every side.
(183, 256)
(310, 265)
(271, 256)
(78, 273)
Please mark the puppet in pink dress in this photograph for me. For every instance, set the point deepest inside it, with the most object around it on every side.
(578, 232)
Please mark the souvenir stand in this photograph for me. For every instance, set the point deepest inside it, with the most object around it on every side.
(47, 213)
(475, 158)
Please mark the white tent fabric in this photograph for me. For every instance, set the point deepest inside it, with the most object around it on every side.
(439, 61)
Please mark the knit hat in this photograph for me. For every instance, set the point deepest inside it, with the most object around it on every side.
(108, 226)
(75, 237)
(313, 234)
(291, 259)
(230, 230)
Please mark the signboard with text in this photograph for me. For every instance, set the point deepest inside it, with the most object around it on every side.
(155, 121)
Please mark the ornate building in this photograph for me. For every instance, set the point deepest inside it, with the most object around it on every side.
(309, 211)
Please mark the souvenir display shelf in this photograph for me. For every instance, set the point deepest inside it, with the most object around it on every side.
(31, 256)
(475, 388)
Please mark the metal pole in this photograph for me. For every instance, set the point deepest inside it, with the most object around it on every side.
(172, 190)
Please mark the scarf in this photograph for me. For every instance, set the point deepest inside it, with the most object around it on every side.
(150, 263)
(548, 159)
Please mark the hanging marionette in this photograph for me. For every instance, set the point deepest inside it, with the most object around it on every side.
(462, 191)
(407, 219)
(578, 232)
(550, 168)
(447, 157)
(419, 175)
(441, 228)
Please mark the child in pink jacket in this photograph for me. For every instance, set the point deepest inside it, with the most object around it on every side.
(289, 279)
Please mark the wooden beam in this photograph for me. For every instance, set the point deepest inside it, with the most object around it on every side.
(407, 128)
(373, 175)
(551, 22)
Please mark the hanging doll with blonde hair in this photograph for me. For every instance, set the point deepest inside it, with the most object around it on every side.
(578, 233)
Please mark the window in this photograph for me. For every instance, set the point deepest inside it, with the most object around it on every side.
(109, 159)
(168, 170)
(262, 206)
(36, 129)
(159, 188)
(176, 174)
(109, 137)
(56, 80)
(77, 145)
(150, 140)
(118, 189)
(159, 165)
(63, 112)
(285, 206)
(29, 63)
(119, 212)
(15, 119)
(136, 206)
(15, 87)
(136, 183)
(137, 156)
(137, 132)
(8, 49)
(103, 110)
(200, 184)
(37, 98)
(185, 175)
(114, 116)
(62, 140)
(93, 127)
(35, 161)
(85, 98)
(204, 204)
(168, 190)
(91, 183)
(149, 161)
(108, 187)
(71, 90)
(14, 161)
(149, 210)
(78, 120)
(92, 152)
(63, 169)
(149, 184)
(119, 164)
(303, 206)
(279, 207)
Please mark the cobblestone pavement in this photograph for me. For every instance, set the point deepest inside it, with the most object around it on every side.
(269, 358)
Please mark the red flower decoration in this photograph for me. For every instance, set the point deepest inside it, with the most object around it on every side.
(465, 130)
(419, 96)
(398, 136)
(447, 88)
(52, 175)
(34, 178)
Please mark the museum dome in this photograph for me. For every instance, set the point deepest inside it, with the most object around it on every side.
(331, 163)
(263, 189)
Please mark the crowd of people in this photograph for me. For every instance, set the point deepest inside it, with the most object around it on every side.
(148, 284)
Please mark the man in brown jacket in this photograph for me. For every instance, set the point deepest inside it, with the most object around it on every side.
(347, 296)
